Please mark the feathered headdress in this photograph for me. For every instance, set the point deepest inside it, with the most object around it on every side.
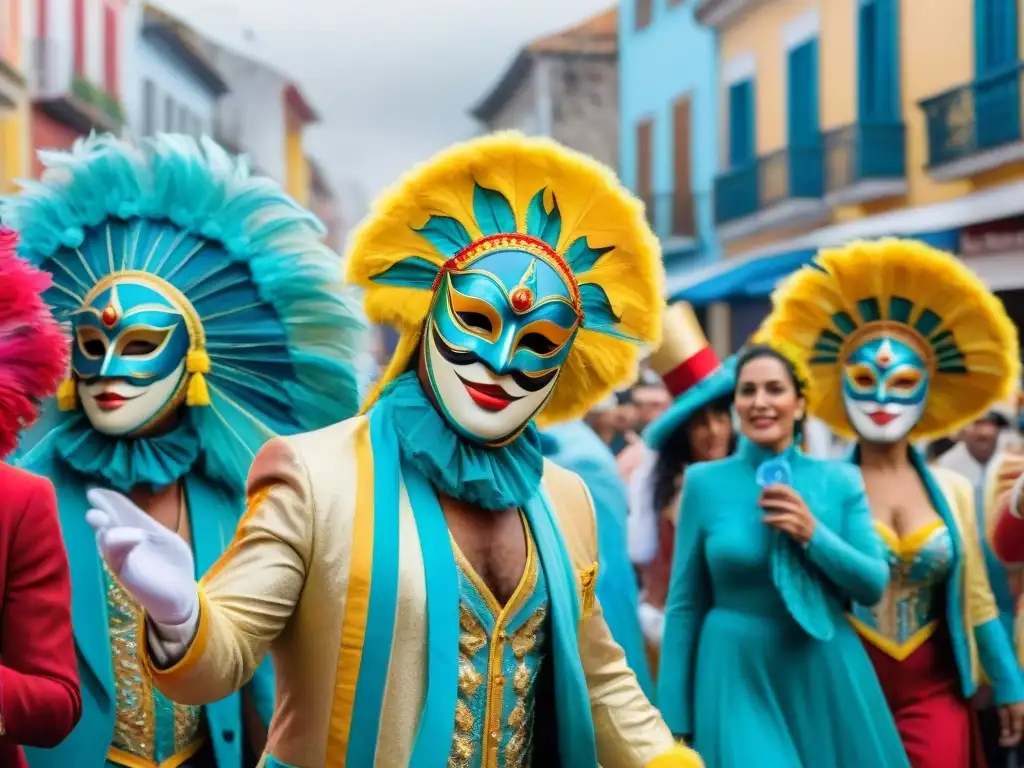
(903, 287)
(456, 206)
(273, 340)
(33, 347)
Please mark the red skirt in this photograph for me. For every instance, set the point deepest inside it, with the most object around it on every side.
(937, 724)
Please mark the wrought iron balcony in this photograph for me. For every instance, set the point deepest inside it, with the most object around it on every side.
(65, 95)
(865, 161)
(779, 189)
(975, 127)
(673, 215)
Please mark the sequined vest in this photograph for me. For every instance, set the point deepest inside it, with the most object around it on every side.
(149, 729)
(910, 611)
(501, 650)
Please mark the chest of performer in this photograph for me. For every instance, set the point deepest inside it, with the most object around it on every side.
(503, 616)
(913, 605)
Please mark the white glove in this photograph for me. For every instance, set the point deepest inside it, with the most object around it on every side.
(652, 623)
(151, 561)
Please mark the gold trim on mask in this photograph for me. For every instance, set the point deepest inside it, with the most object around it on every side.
(547, 329)
(462, 302)
(878, 329)
(193, 323)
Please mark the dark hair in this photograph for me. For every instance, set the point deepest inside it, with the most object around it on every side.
(677, 452)
(758, 351)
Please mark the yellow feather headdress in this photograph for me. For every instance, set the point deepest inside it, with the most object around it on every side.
(911, 290)
(447, 210)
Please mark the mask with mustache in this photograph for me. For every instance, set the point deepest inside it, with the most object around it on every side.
(497, 336)
(885, 389)
(128, 355)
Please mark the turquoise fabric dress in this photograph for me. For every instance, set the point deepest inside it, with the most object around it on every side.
(759, 665)
(576, 447)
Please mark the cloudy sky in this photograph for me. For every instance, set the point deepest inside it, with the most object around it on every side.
(393, 79)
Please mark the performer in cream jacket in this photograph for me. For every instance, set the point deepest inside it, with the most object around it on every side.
(422, 577)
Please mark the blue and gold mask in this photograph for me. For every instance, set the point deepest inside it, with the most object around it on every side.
(131, 340)
(500, 329)
(885, 388)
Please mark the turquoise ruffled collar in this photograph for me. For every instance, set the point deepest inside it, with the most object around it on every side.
(492, 478)
(122, 463)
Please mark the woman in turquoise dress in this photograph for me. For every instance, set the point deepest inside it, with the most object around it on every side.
(759, 666)
(907, 344)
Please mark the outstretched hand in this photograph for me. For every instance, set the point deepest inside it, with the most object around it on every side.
(151, 561)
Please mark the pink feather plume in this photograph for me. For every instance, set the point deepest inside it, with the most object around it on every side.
(33, 347)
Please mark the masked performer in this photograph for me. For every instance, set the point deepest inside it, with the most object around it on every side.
(576, 447)
(905, 344)
(424, 579)
(770, 547)
(696, 427)
(39, 697)
(204, 323)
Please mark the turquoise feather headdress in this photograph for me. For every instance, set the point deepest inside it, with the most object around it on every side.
(276, 346)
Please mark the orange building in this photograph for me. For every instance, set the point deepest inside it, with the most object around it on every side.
(843, 119)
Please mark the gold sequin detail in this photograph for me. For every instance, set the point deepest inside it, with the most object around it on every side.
(135, 718)
(522, 641)
(588, 585)
(472, 639)
(134, 723)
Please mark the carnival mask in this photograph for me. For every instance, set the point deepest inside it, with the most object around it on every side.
(129, 352)
(885, 388)
(498, 333)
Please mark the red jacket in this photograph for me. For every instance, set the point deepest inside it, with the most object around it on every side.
(40, 701)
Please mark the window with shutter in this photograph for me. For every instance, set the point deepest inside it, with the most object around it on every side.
(802, 98)
(741, 123)
(878, 66)
(643, 13)
(644, 165)
(149, 123)
(996, 36)
(111, 48)
(682, 197)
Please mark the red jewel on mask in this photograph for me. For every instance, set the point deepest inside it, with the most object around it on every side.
(522, 299)
(109, 316)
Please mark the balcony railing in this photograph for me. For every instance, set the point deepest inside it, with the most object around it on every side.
(52, 80)
(787, 174)
(864, 152)
(672, 214)
(974, 118)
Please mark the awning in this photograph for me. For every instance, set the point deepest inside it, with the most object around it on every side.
(755, 274)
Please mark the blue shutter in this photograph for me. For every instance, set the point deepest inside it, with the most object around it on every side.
(802, 97)
(878, 63)
(741, 123)
(996, 36)
(867, 61)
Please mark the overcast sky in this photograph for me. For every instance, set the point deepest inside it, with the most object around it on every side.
(392, 79)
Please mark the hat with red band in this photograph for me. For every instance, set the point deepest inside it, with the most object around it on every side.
(691, 370)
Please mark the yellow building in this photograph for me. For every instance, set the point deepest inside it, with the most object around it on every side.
(862, 118)
(298, 114)
(14, 100)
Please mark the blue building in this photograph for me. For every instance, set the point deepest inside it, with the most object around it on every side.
(668, 117)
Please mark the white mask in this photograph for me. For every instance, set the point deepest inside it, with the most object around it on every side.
(117, 408)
